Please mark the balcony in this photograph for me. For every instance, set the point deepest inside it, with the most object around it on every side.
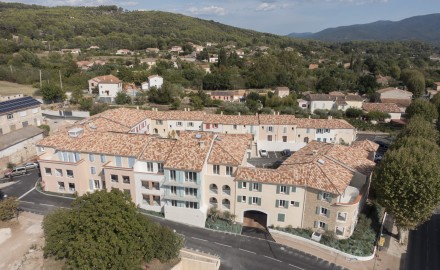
(181, 198)
(226, 190)
(349, 196)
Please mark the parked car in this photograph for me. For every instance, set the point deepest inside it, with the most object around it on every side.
(286, 152)
(31, 165)
(263, 153)
(16, 171)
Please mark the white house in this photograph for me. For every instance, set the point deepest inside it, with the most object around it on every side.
(282, 91)
(107, 86)
(124, 52)
(153, 80)
(320, 101)
(391, 108)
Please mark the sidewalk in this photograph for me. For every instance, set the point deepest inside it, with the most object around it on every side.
(387, 259)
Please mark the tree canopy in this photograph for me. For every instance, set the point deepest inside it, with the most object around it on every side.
(423, 108)
(418, 127)
(103, 230)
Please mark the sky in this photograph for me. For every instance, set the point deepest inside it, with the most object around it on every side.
(274, 16)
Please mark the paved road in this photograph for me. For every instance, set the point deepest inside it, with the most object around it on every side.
(235, 251)
(424, 246)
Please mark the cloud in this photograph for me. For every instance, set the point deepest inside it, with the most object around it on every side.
(209, 10)
(266, 6)
(78, 2)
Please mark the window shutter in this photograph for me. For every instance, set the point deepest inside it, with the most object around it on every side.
(287, 190)
(320, 196)
(238, 198)
(260, 187)
(326, 226)
(329, 199)
(198, 178)
(317, 210)
(90, 184)
(293, 189)
(259, 201)
(250, 200)
(250, 186)
(296, 204)
(240, 184)
(278, 189)
(286, 205)
(328, 212)
(316, 224)
(277, 203)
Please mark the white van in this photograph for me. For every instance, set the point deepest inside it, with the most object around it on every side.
(17, 171)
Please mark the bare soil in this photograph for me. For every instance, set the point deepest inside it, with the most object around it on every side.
(9, 88)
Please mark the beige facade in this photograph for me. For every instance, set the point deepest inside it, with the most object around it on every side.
(15, 120)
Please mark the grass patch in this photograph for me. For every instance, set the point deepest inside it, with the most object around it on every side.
(223, 225)
(152, 213)
(9, 88)
(364, 237)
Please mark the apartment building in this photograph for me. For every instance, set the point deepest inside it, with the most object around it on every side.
(19, 112)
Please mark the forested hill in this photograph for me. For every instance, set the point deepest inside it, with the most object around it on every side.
(422, 28)
(110, 28)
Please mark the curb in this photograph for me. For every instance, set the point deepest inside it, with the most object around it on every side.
(52, 195)
(348, 256)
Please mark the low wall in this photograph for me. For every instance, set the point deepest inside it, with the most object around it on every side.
(66, 113)
(308, 241)
(188, 216)
(191, 260)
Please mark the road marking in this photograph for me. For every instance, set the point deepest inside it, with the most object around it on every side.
(46, 204)
(27, 202)
(272, 258)
(247, 251)
(296, 266)
(26, 193)
(199, 239)
(222, 244)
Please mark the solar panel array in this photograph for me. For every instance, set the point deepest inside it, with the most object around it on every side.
(18, 104)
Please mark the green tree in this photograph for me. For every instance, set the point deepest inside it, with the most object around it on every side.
(103, 230)
(327, 84)
(423, 108)
(415, 81)
(8, 208)
(77, 95)
(377, 116)
(52, 93)
(420, 128)
(122, 98)
(407, 183)
(353, 112)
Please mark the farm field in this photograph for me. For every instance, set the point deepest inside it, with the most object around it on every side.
(8, 88)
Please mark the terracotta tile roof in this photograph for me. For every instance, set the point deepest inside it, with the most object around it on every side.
(178, 115)
(336, 94)
(323, 123)
(124, 116)
(353, 97)
(366, 145)
(388, 89)
(322, 166)
(319, 97)
(231, 119)
(399, 102)
(381, 107)
(189, 152)
(229, 149)
(107, 79)
(157, 149)
(270, 119)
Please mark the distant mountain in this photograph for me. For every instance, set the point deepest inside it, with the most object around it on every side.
(423, 28)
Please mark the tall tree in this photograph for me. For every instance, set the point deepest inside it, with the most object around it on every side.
(52, 93)
(423, 108)
(103, 230)
(420, 128)
(407, 183)
(415, 81)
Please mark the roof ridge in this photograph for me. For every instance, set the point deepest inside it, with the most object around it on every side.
(328, 178)
(228, 152)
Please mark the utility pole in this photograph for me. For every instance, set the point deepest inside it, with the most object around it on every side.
(61, 82)
(41, 83)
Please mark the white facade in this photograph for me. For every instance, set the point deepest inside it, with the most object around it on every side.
(153, 81)
(322, 105)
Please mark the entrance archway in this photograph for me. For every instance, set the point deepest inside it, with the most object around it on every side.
(255, 219)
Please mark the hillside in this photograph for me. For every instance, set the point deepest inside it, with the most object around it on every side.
(422, 28)
(110, 27)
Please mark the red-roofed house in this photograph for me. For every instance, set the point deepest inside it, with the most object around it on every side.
(107, 87)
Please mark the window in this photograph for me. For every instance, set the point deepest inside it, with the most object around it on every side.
(41, 149)
(254, 200)
(241, 199)
(173, 175)
(270, 128)
(322, 225)
(216, 169)
(118, 161)
(269, 138)
(284, 129)
(256, 186)
(102, 158)
(92, 170)
(339, 230)
(323, 211)
(229, 170)
(325, 196)
(61, 186)
(190, 177)
(159, 122)
(173, 190)
(10, 116)
(190, 124)
(179, 124)
(69, 173)
(149, 166)
(114, 178)
(97, 184)
(214, 125)
(293, 203)
(234, 127)
(283, 204)
(191, 192)
(58, 172)
(91, 157)
(284, 138)
(283, 189)
(160, 167)
(192, 205)
(72, 187)
(308, 130)
(131, 161)
(173, 203)
(242, 184)
(48, 171)
(126, 179)
(342, 216)
(281, 217)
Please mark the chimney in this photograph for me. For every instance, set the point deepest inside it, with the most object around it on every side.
(315, 152)
(239, 113)
(278, 113)
(274, 112)
(201, 144)
(189, 109)
(330, 117)
(137, 107)
(221, 113)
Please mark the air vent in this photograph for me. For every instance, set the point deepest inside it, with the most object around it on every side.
(320, 161)
(75, 132)
(198, 136)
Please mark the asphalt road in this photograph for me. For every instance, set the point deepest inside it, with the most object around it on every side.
(423, 251)
(235, 251)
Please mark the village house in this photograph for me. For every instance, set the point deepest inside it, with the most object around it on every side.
(124, 52)
(391, 108)
(106, 87)
(394, 95)
(282, 91)
(152, 81)
(231, 95)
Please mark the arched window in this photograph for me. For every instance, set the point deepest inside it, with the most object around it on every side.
(213, 202)
(226, 204)
(306, 139)
(213, 188)
(226, 190)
